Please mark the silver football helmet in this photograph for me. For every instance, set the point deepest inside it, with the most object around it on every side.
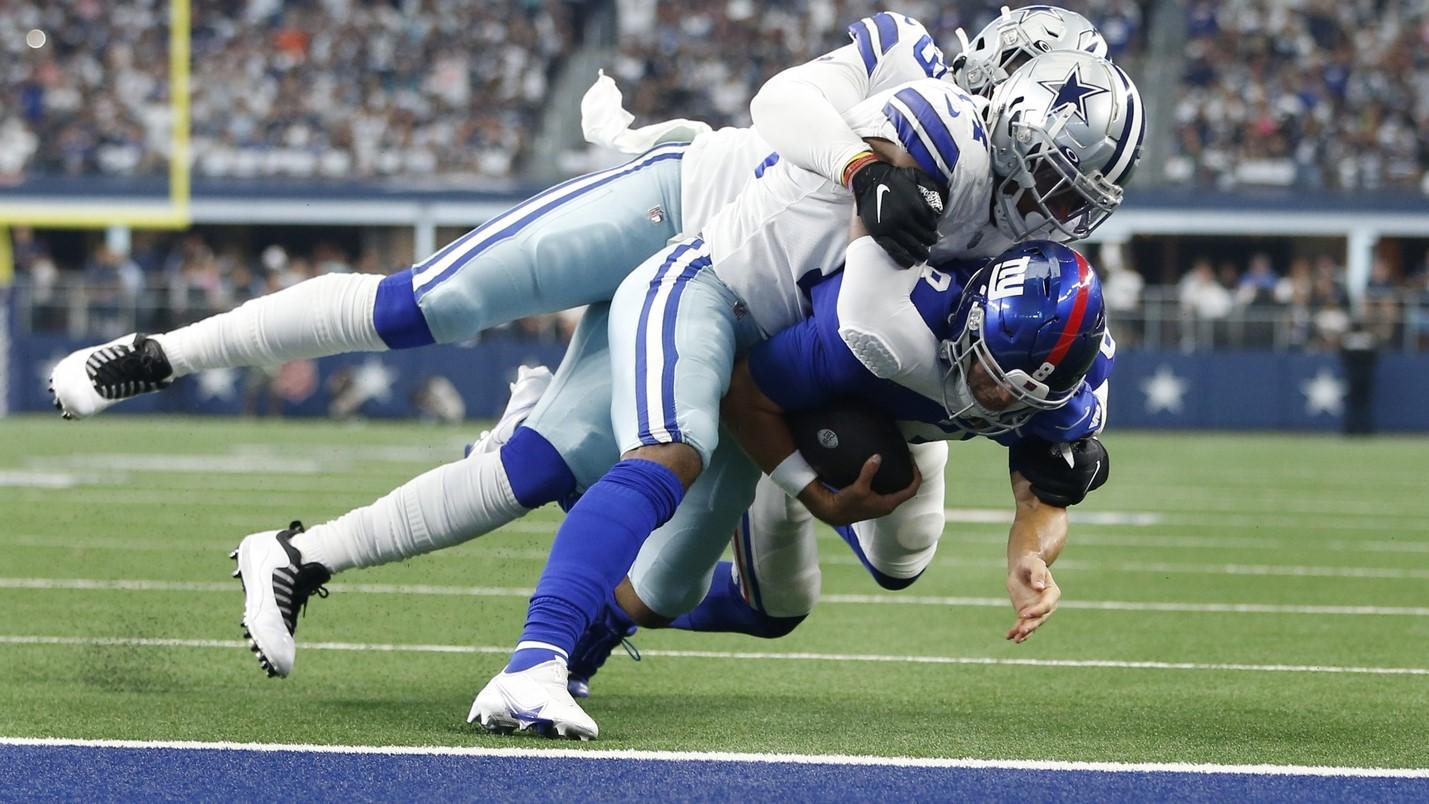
(1065, 133)
(1014, 38)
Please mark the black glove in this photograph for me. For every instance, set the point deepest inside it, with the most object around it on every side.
(1061, 474)
(900, 207)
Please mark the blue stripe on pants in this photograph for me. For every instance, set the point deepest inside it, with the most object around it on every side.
(667, 377)
(642, 366)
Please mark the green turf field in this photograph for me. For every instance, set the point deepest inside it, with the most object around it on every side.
(1323, 540)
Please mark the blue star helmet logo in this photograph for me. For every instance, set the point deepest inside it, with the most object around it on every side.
(1071, 91)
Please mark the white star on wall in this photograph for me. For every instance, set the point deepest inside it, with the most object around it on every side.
(373, 380)
(1164, 391)
(217, 383)
(1324, 393)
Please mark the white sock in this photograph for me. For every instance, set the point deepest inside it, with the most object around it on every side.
(326, 315)
(441, 508)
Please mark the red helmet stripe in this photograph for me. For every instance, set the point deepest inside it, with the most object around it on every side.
(1079, 309)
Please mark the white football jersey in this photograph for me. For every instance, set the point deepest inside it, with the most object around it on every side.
(789, 226)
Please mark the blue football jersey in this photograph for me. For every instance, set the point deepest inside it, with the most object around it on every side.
(809, 365)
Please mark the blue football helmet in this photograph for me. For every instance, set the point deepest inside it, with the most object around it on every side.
(1034, 320)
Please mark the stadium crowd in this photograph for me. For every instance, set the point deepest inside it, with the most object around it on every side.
(674, 57)
(1311, 93)
(310, 89)
(335, 89)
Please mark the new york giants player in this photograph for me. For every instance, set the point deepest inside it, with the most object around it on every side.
(568, 246)
(1023, 357)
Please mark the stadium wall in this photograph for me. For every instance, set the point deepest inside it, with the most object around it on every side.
(1150, 389)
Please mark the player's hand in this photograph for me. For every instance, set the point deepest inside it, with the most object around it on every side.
(857, 502)
(900, 207)
(1034, 595)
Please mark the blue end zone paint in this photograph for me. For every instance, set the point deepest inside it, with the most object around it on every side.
(46, 773)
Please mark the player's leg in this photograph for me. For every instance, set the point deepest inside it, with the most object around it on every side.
(567, 246)
(674, 333)
(678, 567)
(563, 444)
(895, 549)
(774, 580)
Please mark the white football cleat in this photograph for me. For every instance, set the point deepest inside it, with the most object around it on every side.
(535, 700)
(531, 383)
(92, 380)
(276, 586)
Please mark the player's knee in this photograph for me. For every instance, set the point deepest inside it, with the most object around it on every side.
(767, 626)
(636, 609)
(792, 595)
(680, 459)
(898, 556)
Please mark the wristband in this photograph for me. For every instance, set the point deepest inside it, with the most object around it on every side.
(793, 474)
(857, 162)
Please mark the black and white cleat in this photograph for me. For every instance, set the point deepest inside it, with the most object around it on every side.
(277, 584)
(89, 381)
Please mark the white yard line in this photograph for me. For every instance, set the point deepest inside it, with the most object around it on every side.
(378, 647)
(722, 756)
(1202, 519)
(93, 584)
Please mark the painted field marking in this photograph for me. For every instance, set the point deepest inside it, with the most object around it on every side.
(839, 559)
(92, 584)
(723, 756)
(1201, 519)
(379, 647)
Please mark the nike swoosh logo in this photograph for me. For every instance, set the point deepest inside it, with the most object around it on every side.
(1095, 469)
(878, 208)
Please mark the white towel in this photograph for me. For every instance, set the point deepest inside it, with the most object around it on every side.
(605, 122)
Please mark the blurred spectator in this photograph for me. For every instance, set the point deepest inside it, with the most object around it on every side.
(1312, 93)
(1259, 283)
(1202, 295)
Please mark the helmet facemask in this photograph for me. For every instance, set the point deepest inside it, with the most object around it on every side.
(1029, 394)
(1042, 192)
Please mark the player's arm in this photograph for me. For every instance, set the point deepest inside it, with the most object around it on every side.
(755, 419)
(879, 322)
(1047, 479)
(1039, 530)
(800, 112)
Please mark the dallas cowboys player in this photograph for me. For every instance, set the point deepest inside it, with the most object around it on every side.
(568, 246)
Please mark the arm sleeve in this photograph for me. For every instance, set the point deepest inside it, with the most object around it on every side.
(879, 322)
(800, 110)
(802, 367)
